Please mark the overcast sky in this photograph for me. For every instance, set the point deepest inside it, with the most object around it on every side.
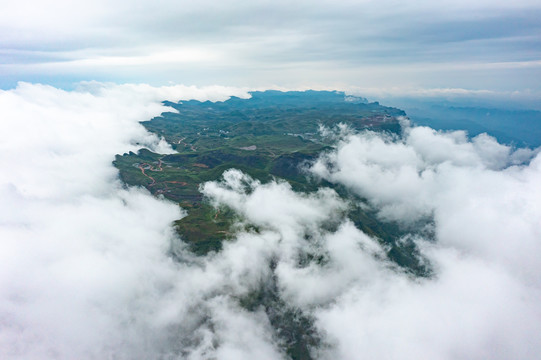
(480, 45)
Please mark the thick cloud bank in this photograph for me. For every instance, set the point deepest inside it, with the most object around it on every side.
(83, 263)
(483, 298)
(483, 301)
(85, 270)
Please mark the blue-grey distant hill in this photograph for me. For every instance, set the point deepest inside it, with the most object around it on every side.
(521, 128)
(309, 99)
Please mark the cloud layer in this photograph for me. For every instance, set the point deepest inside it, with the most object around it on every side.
(481, 196)
(483, 299)
(83, 260)
(86, 269)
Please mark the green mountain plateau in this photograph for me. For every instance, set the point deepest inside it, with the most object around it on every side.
(271, 136)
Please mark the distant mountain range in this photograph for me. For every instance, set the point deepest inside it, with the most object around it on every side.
(521, 128)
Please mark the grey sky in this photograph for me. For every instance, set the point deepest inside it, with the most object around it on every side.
(492, 45)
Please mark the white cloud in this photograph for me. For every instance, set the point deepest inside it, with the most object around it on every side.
(483, 299)
(274, 205)
(84, 270)
(471, 310)
(486, 288)
(411, 173)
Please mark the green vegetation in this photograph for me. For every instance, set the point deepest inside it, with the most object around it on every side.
(270, 136)
(273, 135)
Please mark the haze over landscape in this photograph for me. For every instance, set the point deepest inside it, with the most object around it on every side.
(270, 180)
